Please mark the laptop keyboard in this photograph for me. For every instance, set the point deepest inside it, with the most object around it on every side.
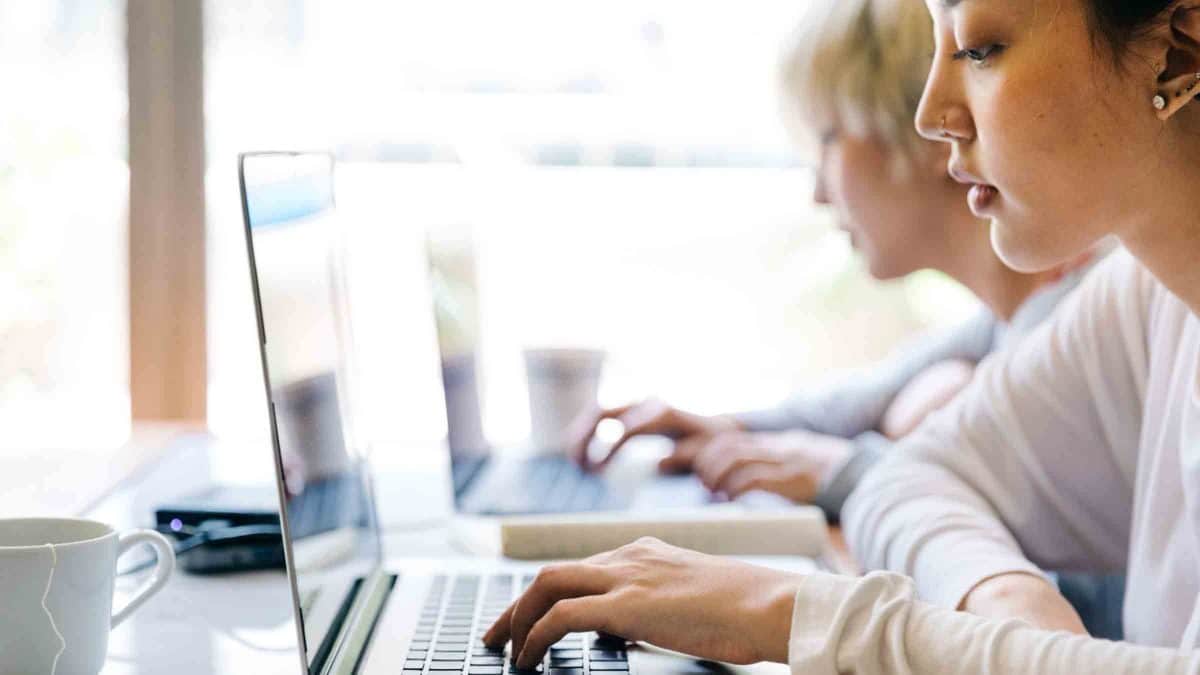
(554, 484)
(459, 611)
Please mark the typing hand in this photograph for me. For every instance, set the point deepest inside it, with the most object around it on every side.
(1018, 595)
(651, 416)
(703, 605)
(790, 463)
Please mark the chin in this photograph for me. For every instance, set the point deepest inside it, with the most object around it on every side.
(1022, 249)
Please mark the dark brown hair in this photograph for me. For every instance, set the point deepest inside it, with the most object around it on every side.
(1118, 23)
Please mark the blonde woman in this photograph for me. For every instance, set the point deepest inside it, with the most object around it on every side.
(852, 80)
(1070, 120)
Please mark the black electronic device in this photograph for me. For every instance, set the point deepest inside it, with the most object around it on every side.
(224, 529)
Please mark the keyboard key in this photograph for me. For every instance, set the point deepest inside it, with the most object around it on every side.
(565, 663)
(489, 660)
(486, 670)
(449, 656)
(446, 665)
(603, 641)
(565, 671)
(607, 655)
(566, 653)
(487, 651)
(609, 665)
(415, 654)
(414, 665)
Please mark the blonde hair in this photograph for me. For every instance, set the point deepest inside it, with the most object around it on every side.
(862, 65)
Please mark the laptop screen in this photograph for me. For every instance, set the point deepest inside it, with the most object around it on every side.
(297, 272)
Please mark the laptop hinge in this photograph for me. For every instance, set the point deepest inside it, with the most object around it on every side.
(355, 631)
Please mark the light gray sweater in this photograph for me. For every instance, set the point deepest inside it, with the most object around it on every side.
(854, 408)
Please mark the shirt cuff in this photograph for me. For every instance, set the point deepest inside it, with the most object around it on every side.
(834, 617)
(837, 485)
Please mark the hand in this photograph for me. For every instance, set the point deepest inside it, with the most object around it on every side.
(710, 607)
(790, 463)
(1018, 595)
(648, 417)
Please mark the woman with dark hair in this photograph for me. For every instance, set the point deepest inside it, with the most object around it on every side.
(1078, 449)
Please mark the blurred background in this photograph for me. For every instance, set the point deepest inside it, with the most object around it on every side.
(621, 168)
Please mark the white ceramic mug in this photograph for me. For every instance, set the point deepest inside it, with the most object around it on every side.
(562, 384)
(56, 591)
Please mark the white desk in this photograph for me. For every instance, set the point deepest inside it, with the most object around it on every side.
(241, 623)
(197, 625)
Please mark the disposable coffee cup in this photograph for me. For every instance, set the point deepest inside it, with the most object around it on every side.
(56, 591)
(562, 384)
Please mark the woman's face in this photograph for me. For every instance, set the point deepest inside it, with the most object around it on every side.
(1049, 133)
(896, 222)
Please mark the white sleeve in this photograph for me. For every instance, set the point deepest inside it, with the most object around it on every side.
(874, 626)
(1032, 465)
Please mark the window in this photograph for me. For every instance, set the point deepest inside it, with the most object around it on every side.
(622, 168)
(63, 199)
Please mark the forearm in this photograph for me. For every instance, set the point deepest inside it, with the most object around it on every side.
(858, 402)
(874, 625)
(920, 520)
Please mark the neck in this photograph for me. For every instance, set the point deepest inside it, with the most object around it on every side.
(1165, 237)
(1001, 289)
(976, 266)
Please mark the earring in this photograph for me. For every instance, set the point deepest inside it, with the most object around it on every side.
(1159, 102)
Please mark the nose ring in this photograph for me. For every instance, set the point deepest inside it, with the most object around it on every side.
(943, 128)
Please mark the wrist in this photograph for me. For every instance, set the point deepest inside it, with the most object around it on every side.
(717, 424)
(773, 611)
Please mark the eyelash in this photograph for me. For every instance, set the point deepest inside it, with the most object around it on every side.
(977, 55)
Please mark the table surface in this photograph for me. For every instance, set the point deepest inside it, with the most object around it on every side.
(243, 622)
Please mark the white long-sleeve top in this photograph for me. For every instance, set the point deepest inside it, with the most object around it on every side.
(1078, 449)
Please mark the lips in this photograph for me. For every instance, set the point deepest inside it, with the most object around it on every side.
(960, 173)
(981, 195)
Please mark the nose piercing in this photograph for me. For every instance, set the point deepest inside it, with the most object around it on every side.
(1159, 102)
(943, 127)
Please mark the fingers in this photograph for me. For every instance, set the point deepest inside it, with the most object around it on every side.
(583, 429)
(724, 457)
(648, 417)
(554, 583)
(714, 459)
(573, 615)
(752, 476)
(683, 455)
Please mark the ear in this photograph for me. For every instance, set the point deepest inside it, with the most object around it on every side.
(1179, 74)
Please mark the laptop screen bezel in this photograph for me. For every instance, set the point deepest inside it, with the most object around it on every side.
(280, 484)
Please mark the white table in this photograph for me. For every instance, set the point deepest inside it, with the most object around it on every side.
(242, 623)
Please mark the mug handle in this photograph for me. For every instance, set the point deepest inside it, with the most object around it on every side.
(162, 570)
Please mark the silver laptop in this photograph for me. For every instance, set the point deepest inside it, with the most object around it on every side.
(353, 613)
(502, 479)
